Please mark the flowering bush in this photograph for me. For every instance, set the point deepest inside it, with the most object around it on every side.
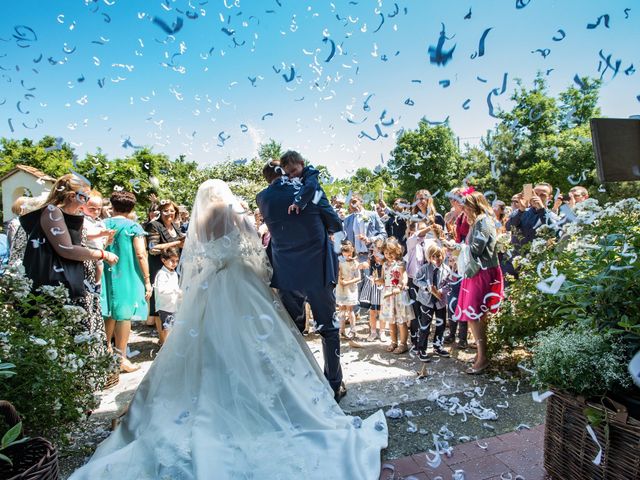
(59, 366)
(585, 279)
(580, 361)
(589, 273)
(503, 243)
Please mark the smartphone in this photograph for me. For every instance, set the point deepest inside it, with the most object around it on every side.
(380, 196)
(527, 190)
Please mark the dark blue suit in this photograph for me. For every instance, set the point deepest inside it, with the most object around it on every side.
(304, 266)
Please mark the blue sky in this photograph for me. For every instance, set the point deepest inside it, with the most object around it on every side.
(182, 93)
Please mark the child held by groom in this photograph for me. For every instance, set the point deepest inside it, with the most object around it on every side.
(306, 178)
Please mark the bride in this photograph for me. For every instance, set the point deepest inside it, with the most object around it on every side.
(235, 393)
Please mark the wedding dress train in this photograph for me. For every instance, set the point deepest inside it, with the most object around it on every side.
(235, 392)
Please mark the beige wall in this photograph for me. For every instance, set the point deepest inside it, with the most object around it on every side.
(15, 186)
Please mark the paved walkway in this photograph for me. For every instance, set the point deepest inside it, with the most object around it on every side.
(376, 379)
(505, 457)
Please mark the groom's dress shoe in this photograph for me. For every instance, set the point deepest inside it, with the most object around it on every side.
(341, 392)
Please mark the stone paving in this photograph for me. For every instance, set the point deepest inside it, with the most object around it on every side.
(377, 379)
(511, 456)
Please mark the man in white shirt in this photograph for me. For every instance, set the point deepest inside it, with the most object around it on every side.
(362, 227)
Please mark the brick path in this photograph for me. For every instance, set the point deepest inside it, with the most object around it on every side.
(508, 455)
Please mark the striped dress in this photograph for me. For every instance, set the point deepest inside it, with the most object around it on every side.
(371, 294)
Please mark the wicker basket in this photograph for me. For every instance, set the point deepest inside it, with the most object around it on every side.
(35, 459)
(112, 380)
(569, 450)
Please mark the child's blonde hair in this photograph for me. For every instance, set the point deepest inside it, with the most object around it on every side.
(392, 245)
(434, 250)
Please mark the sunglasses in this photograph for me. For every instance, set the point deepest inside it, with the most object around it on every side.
(82, 197)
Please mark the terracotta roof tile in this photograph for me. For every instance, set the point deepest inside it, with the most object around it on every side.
(30, 170)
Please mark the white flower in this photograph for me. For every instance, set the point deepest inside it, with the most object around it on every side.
(71, 367)
(538, 245)
(52, 353)
(75, 313)
(37, 341)
(590, 204)
(572, 228)
(83, 337)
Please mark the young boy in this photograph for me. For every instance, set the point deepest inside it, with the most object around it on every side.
(167, 292)
(97, 235)
(433, 281)
(310, 191)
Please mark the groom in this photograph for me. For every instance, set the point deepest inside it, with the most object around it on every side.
(304, 264)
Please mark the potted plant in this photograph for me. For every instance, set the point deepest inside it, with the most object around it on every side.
(575, 307)
(23, 458)
(59, 365)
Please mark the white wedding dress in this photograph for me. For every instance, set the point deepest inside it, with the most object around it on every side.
(235, 392)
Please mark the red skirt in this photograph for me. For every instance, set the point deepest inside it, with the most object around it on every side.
(480, 294)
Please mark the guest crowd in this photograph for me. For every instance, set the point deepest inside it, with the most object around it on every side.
(409, 268)
(423, 278)
(115, 268)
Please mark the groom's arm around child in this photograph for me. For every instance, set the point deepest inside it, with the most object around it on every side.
(310, 190)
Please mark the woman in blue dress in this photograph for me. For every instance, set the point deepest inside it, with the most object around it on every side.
(126, 285)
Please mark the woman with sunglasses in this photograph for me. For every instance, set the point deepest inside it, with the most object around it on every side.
(55, 253)
(163, 233)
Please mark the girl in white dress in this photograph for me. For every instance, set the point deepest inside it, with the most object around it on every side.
(234, 393)
(347, 288)
(396, 304)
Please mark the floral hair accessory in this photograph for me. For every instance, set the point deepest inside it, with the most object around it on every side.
(467, 191)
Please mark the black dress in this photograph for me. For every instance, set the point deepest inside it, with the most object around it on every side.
(158, 234)
(41, 262)
(90, 301)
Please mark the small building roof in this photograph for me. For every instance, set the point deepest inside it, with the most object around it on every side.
(31, 171)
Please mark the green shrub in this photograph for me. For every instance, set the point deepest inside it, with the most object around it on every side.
(598, 255)
(580, 360)
(58, 365)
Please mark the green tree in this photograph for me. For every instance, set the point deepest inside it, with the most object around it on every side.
(519, 140)
(427, 157)
(271, 150)
(366, 182)
(476, 170)
(244, 178)
(541, 139)
(55, 162)
(579, 105)
(181, 181)
(133, 174)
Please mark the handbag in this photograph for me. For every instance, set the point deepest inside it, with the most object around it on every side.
(467, 265)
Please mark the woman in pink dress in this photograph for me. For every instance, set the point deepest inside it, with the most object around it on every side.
(481, 291)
